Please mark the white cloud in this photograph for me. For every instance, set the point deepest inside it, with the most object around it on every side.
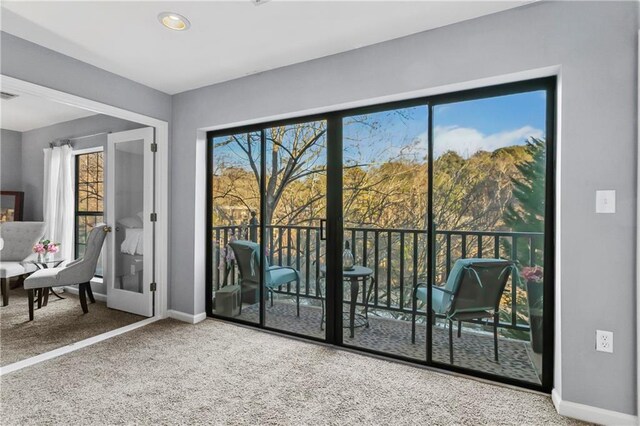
(466, 141)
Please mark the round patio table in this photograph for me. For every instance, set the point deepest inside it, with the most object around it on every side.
(359, 274)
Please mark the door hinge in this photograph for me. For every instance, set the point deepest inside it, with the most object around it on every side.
(154, 217)
(154, 286)
(154, 147)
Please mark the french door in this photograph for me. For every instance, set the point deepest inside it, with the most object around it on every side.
(365, 228)
(130, 205)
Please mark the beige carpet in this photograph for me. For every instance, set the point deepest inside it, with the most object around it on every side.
(58, 324)
(219, 373)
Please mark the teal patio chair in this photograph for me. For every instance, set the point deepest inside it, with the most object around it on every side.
(473, 291)
(248, 260)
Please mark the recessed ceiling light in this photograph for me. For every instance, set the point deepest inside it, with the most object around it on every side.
(174, 21)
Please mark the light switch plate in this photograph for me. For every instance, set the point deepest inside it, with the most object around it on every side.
(606, 201)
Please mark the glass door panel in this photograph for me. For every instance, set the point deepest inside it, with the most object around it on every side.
(295, 192)
(489, 168)
(130, 188)
(235, 217)
(385, 171)
(129, 195)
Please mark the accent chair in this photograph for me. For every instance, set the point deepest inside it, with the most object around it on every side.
(79, 272)
(18, 239)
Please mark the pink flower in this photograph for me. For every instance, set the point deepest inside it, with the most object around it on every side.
(52, 248)
(39, 248)
(230, 256)
(532, 273)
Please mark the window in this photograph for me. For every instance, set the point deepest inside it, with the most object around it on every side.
(365, 218)
(89, 208)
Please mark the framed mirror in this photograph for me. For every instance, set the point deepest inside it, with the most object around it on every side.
(11, 206)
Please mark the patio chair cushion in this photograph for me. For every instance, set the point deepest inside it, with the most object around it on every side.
(440, 300)
(278, 275)
(14, 269)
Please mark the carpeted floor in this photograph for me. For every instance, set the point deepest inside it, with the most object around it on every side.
(58, 324)
(219, 373)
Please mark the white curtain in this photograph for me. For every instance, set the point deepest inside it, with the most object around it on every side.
(58, 198)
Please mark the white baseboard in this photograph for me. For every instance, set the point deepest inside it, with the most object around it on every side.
(181, 316)
(591, 414)
(98, 296)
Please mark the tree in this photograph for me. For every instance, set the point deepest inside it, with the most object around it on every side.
(526, 214)
(527, 211)
(296, 153)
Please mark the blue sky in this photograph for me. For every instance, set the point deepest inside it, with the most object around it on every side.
(465, 127)
(493, 115)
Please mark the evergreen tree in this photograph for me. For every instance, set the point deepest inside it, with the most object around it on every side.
(526, 213)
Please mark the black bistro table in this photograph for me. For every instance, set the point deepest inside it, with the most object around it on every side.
(46, 264)
(356, 276)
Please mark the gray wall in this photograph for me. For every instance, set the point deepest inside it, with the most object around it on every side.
(595, 45)
(10, 159)
(36, 64)
(34, 141)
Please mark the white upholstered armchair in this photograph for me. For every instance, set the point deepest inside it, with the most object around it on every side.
(18, 239)
(79, 272)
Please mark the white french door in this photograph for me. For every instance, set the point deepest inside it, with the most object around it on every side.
(130, 205)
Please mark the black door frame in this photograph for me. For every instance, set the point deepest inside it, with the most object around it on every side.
(334, 240)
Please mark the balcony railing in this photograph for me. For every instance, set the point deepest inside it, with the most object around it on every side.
(398, 258)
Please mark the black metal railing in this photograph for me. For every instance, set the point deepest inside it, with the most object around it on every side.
(398, 258)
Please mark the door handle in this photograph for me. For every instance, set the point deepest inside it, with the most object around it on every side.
(323, 234)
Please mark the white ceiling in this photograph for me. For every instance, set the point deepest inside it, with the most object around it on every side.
(227, 40)
(28, 112)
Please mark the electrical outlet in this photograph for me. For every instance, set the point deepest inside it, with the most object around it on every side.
(606, 201)
(604, 341)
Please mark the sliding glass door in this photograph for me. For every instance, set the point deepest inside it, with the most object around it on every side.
(385, 209)
(490, 159)
(420, 230)
(294, 203)
(267, 201)
(235, 175)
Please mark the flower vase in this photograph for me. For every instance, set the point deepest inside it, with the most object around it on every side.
(40, 257)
